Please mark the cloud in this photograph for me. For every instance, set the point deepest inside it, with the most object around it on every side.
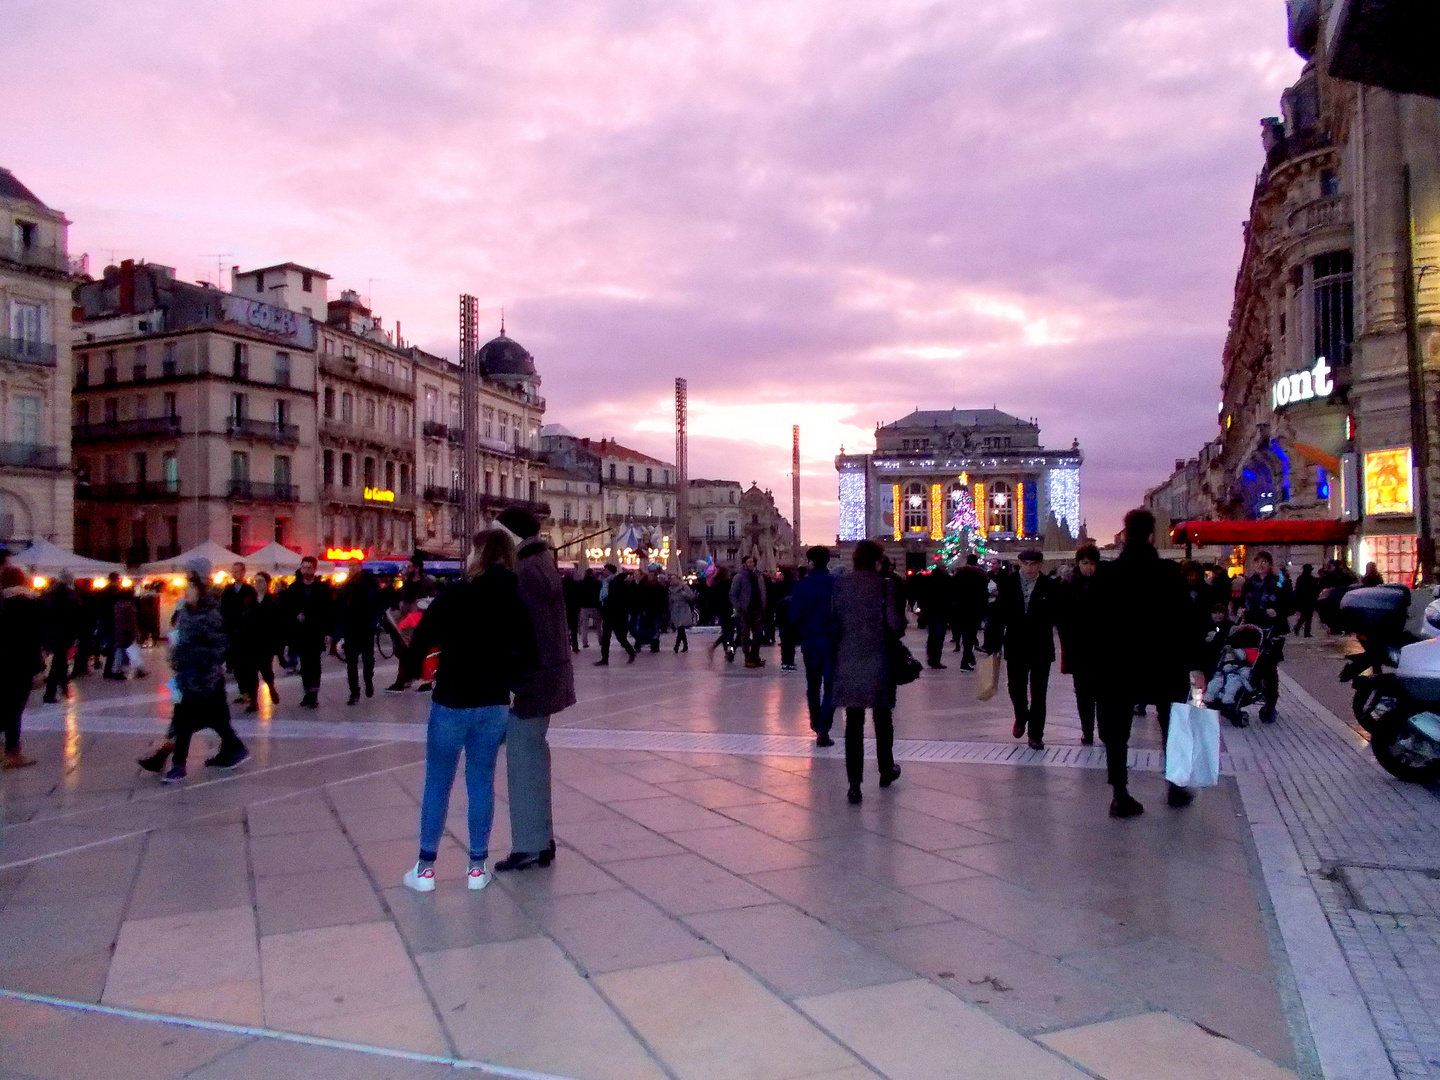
(818, 214)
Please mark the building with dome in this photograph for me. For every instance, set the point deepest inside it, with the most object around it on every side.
(927, 464)
(510, 413)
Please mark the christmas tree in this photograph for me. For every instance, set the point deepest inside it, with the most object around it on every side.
(962, 533)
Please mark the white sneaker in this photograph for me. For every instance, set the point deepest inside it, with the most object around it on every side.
(477, 879)
(420, 880)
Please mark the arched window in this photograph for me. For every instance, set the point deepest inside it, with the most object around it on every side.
(917, 507)
(1002, 507)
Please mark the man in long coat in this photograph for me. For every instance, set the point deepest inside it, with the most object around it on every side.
(544, 691)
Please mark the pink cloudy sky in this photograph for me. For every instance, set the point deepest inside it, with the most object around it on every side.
(821, 213)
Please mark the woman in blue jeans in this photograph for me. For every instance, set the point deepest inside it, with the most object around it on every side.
(487, 645)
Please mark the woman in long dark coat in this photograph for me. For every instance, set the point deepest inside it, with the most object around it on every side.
(868, 610)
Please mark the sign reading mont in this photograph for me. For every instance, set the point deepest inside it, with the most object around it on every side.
(1302, 386)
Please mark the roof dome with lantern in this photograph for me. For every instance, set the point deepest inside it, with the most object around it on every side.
(506, 360)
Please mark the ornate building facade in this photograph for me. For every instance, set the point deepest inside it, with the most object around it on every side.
(1329, 372)
(36, 275)
(908, 490)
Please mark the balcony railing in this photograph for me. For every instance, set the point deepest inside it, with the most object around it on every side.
(265, 430)
(25, 351)
(126, 429)
(455, 497)
(347, 367)
(16, 455)
(255, 491)
(1320, 213)
(1302, 142)
(339, 429)
(433, 429)
(46, 258)
(640, 518)
(133, 491)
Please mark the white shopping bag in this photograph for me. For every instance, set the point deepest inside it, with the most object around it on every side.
(1192, 752)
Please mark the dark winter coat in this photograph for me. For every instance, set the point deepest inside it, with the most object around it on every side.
(1267, 593)
(125, 620)
(1079, 620)
(810, 613)
(232, 602)
(361, 605)
(1027, 633)
(550, 687)
(682, 605)
(747, 593)
(487, 644)
(1146, 627)
(316, 603)
(198, 655)
(970, 596)
(866, 608)
(21, 632)
(62, 616)
(260, 630)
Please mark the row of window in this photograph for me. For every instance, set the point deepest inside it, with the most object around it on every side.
(164, 364)
(631, 477)
(367, 528)
(396, 475)
(368, 359)
(998, 511)
(394, 418)
(495, 424)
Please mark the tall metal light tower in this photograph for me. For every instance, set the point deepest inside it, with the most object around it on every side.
(795, 487)
(681, 539)
(469, 407)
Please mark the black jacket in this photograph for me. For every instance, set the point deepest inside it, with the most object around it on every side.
(360, 605)
(62, 609)
(316, 604)
(486, 641)
(22, 624)
(1026, 633)
(260, 630)
(1079, 621)
(1147, 625)
(232, 603)
(970, 592)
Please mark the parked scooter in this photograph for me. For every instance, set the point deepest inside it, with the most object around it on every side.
(1400, 708)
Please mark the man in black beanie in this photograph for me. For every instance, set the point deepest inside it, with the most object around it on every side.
(544, 692)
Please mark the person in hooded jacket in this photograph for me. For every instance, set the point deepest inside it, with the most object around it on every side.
(1147, 626)
(22, 624)
(546, 690)
(198, 649)
(487, 650)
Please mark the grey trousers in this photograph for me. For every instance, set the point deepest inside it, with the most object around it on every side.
(527, 773)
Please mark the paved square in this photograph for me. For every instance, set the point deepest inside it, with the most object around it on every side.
(716, 909)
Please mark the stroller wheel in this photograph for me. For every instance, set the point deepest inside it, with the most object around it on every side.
(1238, 718)
(1267, 714)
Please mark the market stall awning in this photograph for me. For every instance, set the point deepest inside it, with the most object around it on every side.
(210, 552)
(1262, 532)
(273, 558)
(43, 557)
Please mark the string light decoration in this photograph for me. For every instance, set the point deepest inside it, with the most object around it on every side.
(895, 502)
(1062, 489)
(937, 519)
(1020, 510)
(852, 504)
(964, 535)
(979, 501)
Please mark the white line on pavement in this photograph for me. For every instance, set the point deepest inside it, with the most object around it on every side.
(281, 1036)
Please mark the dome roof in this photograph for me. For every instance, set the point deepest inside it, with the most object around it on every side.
(503, 357)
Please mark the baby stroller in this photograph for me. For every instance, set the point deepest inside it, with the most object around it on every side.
(1233, 687)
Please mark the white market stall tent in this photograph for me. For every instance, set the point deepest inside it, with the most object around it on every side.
(47, 559)
(274, 558)
(218, 557)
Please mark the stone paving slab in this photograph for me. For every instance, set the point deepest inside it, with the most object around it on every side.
(692, 861)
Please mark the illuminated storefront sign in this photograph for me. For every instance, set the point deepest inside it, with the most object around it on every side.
(937, 519)
(1387, 482)
(334, 554)
(1302, 386)
(380, 495)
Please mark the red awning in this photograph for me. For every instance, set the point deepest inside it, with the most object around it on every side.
(1262, 532)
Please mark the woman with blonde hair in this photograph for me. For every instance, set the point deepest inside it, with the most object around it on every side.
(487, 647)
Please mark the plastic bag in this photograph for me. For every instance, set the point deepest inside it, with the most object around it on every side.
(989, 677)
(1192, 751)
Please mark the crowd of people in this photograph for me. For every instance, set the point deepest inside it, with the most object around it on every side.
(495, 650)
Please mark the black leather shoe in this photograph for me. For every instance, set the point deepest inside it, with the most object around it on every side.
(353, 700)
(524, 860)
(854, 793)
(888, 778)
(1179, 797)
(1037, 744)
(156, 761)
(824, 740)
(1124, 805)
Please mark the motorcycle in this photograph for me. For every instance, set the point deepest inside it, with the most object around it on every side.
(1398, 707)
